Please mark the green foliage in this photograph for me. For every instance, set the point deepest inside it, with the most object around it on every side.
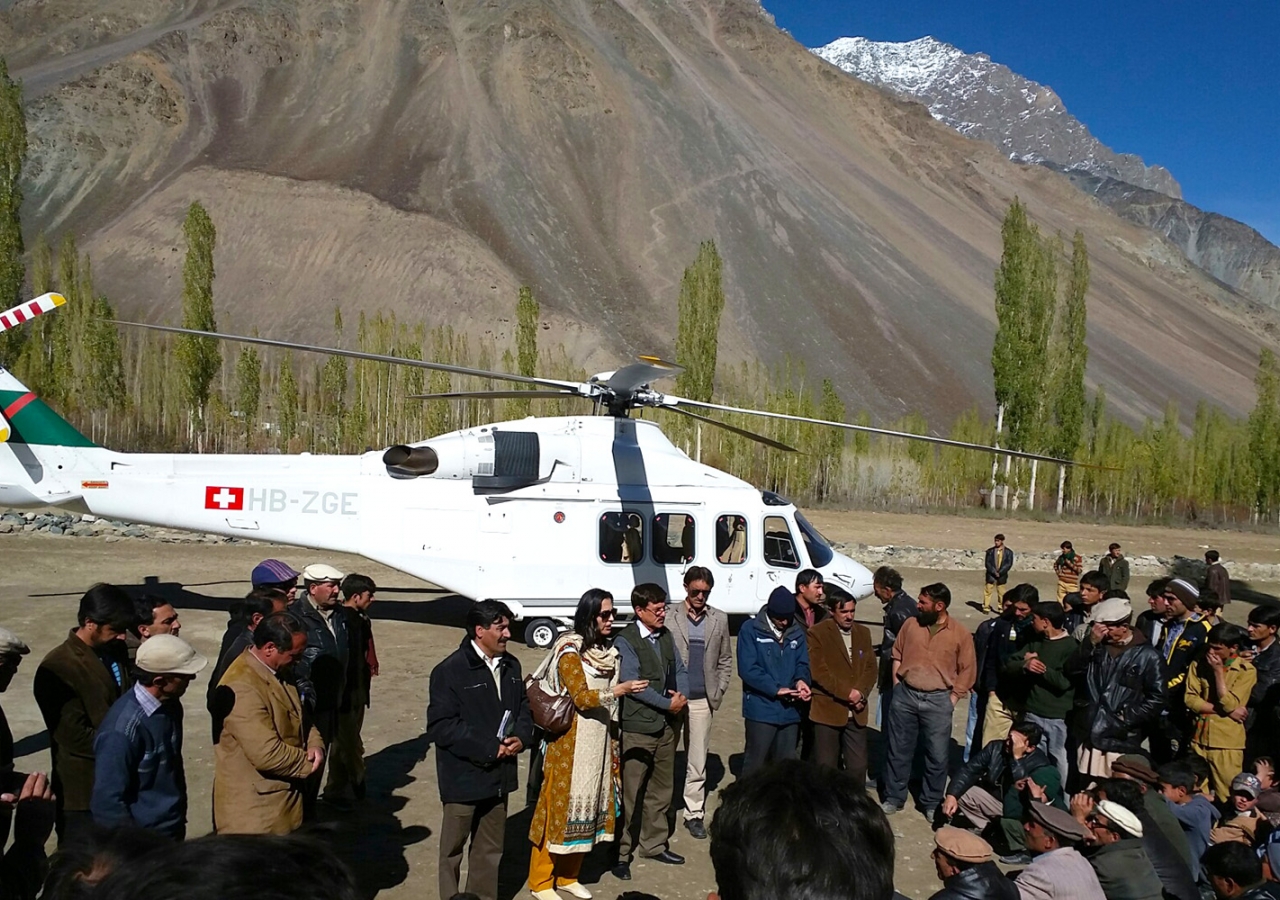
(698, 331)
(287, 400)
(1264, 434)
(333, 390)
(527, 312)
(198, 357)
(13, 155)
(248, 387)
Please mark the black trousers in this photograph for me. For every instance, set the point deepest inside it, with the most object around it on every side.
(842, 748)
(767, 742)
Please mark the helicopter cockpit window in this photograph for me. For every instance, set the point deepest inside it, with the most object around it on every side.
(820, 552)
(672, 539)
(779, 548)
(622, 538)
(731, 540)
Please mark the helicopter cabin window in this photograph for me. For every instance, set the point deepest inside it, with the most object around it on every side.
(622, 538)
(779, 548)
(672, 539)
(731, 540)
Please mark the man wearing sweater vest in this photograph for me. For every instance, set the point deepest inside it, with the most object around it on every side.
(650, 727)
(138, 776)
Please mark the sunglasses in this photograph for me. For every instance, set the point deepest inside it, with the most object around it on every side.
(606, 614)
(699, 593)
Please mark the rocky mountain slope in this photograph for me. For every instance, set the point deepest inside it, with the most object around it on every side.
(1028, 121)
(985, 100)
(428, 158)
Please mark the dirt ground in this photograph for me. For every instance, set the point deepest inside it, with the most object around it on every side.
(390, 841)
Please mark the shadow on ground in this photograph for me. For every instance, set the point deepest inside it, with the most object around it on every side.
(371, 839)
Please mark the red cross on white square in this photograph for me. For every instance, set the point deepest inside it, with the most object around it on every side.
(223, 498)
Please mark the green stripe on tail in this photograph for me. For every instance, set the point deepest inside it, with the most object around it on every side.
(35, 423)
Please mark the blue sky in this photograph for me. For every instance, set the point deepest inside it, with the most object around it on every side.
(1194, 87)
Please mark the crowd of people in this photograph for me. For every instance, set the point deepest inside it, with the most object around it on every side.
(1109, 755)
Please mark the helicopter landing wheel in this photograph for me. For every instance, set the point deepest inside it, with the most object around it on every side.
(540, 634)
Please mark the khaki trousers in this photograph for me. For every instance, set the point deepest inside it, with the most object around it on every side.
(998, 721)
(485, 824)
(992, 588)
(697, 736)
(1224, 765)
(648, 781)
(981, 807)
(346, 754)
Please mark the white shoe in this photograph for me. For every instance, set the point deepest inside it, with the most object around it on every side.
(546, 895)
(575, 889)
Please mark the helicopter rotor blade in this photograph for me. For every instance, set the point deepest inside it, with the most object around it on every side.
(569, 386)
(639, 373)
(497, 395)
(751, 435)
(677, 402)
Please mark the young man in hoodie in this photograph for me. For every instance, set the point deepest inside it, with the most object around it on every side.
(773, 663)
(1192, 808)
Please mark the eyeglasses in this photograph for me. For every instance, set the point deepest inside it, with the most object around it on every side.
(606, 614)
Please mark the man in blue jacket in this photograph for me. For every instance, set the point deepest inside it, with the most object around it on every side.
(773, 663)
(138, 777)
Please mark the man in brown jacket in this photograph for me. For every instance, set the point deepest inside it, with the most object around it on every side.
(263, 755)
(843, 667)
(700, 633)
(75, 685)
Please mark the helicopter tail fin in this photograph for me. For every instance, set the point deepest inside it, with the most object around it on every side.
(26, 419)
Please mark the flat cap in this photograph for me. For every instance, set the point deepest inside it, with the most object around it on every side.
(1120, 817)
(321, 572)
(1184, 590)
(1135, 765)
(1058, 821)
(961, 845)
(168, 654)
(11, 644)
(1112, 612)
(272, 571)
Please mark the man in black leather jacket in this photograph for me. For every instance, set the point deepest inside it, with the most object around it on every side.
(1122, 678)
(963, 861)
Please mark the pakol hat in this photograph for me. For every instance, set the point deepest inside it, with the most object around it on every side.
(321, 572)
(1120, 817)
(782, 603)
(272, 571)
(1136, 766)
(1185, 591)
(11, 644)
(167, 654)
(1112, 612)
(1060, 822)
(961, 845)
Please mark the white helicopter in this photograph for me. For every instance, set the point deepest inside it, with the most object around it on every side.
(531, 512)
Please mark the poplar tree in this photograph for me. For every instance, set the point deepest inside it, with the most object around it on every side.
(248, 387)
(698, 332)
(1264, 433)
(287, 399)
(1067, 394)
(198, 357)
(527, 313)
(13, 154)
(333, 388)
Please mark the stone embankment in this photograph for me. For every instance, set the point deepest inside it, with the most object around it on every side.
(111, 530)
(1139, 566)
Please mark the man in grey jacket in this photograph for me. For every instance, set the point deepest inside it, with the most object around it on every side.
(701, 635)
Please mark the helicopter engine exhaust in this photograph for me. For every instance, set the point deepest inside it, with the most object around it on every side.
(410, 462)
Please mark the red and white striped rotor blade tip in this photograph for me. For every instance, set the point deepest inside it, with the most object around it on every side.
(29, 309)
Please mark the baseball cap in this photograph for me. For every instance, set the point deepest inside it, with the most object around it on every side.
(167, 654)
(321, 572)
(11, 644)
(1247, 783)
(272, 571)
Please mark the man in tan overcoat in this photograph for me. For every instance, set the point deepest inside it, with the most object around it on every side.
(844, 669)
(263, 755)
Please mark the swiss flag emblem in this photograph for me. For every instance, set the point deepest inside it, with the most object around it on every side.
(223, 498)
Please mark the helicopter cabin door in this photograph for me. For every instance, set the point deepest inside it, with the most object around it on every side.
(779, 557)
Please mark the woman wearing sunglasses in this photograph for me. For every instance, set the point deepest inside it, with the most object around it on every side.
(577, 806)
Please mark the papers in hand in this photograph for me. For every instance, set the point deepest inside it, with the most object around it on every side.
(506, 726)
